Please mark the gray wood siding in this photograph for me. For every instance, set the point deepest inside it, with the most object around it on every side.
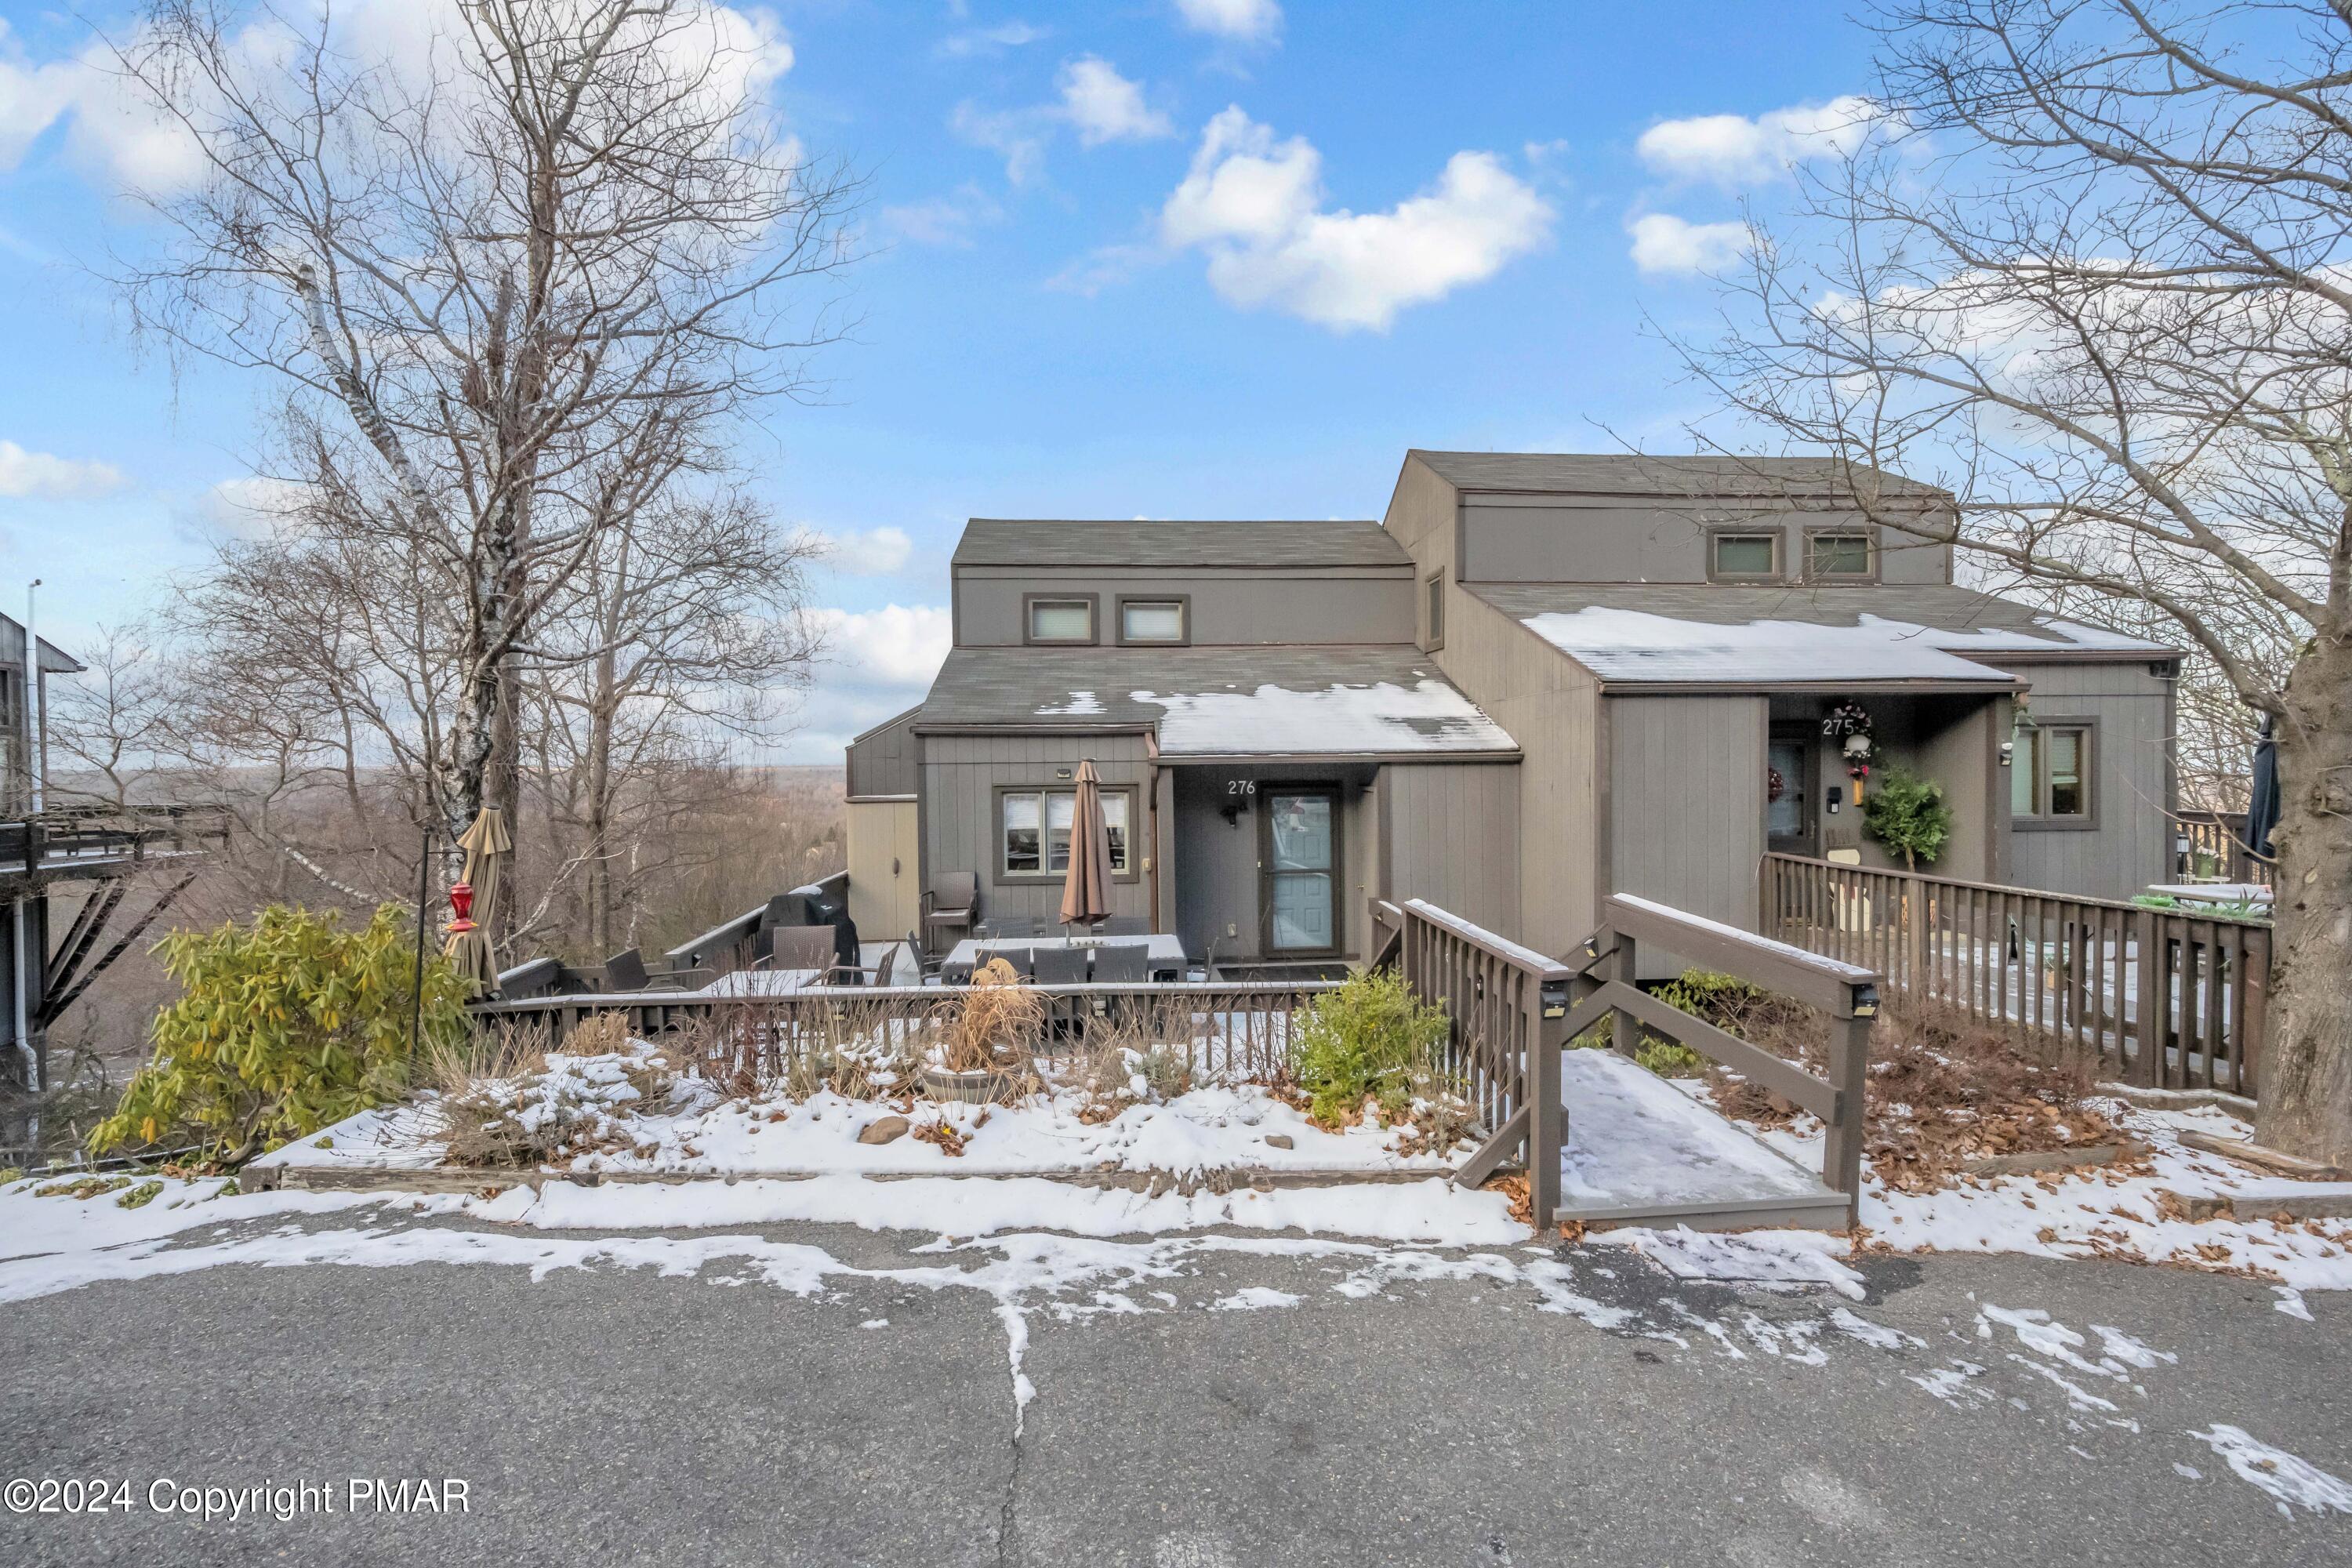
(2131, 845)
(887, 760)
(1550, 706)
(1423, 515)
(1453, 837)
(1322, 605)
(960, 776)
(1609, 539)
(1687, 804)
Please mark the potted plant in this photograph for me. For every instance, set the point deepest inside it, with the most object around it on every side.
(983, 1054)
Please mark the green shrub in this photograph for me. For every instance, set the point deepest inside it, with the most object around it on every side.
(1909, 816)
(1669, 1059)
(283, 1026)
(1364, 1040)
(1704, 993)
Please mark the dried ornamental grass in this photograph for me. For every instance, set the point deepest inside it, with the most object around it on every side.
(993, 1025)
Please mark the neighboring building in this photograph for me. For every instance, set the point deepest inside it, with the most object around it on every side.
(42, 971)
(1538, 681)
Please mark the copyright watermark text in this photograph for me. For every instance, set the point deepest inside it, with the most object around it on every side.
(207, 1501)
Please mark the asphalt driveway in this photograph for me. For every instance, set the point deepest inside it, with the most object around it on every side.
(612, 1415)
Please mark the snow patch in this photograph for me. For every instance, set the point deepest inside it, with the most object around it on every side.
(2289, 1482)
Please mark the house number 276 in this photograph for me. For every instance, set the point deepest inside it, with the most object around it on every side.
(1241, 786)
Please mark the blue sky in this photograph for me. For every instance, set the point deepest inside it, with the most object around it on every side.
(1170, 257)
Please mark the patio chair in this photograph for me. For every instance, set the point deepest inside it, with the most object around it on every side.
(1060, 966)
(1122, 964)
(1125, 925)
(950, 906)
(925, 965)
(625, 971)
(1011, 926)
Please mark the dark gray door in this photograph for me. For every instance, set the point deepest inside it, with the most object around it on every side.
(1301, 857)
(1788, 819)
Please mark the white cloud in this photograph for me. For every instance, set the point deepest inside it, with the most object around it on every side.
(945, 220)
(874, 553)
(1017, 135)
(24, 473)
(1733, 151)
(115, 131)
(1255, 207)
(251, 507)
(897, 646)
(1247, 19)
(1664, 243)
(1104, 268)
(1106, 107)
(990, 40)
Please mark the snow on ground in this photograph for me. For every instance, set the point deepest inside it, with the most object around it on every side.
(1213, 1128)
(2115, 1213)
(2290, 1482)
(1632, 1138)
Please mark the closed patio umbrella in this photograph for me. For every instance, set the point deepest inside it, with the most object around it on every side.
(2263, 806)
(486, 844)
(1086, 891)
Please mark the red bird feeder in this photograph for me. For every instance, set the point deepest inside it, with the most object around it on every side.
(461, 902)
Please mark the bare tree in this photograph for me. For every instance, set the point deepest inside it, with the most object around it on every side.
(2092, 275)
(518, 273)
(672, 638)
(109, 728)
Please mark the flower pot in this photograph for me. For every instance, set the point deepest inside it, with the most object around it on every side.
(979, 1086)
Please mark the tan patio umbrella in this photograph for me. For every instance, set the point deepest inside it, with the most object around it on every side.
(1086, 891)
(486, 844)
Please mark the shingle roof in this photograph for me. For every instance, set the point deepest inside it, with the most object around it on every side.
(1629, 473)
(1705, 635)
(1045, 541)
(1362, 700)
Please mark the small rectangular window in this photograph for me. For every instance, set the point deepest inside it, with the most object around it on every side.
(1837, 555)
(2024, 768)
(1746, 555)
(1036, 830)
(1152, 620)
(1061, 620)
(1022, 814)
(1437, 610)
(2050, 774)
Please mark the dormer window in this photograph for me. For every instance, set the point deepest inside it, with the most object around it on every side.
(1834, 556)
(1744, 555)
(1059, 617)
(1154, 620)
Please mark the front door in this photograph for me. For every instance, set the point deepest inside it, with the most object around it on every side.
(1299, 862)
(1789, 791)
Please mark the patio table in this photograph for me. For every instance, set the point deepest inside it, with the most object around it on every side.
(1164, 952)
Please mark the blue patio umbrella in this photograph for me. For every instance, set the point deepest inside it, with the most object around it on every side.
(2263, 806)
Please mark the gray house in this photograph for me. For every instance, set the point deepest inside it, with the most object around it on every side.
(1538, 681)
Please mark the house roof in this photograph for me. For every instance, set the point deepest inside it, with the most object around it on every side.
(1045, 541)
(1359, 700)
(55, 660)
(1634, 473)
(1720, 636)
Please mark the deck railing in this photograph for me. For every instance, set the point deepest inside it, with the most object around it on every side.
(1221, 1029)
(1509, 1005)
(2163, 997)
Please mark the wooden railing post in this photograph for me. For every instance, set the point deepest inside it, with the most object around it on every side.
(1546, 1117)
(1624, 1029)
(1850, 1076)
(2154, 1025)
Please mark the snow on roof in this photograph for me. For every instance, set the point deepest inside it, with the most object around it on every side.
(1637, 645)
(1342, 720)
